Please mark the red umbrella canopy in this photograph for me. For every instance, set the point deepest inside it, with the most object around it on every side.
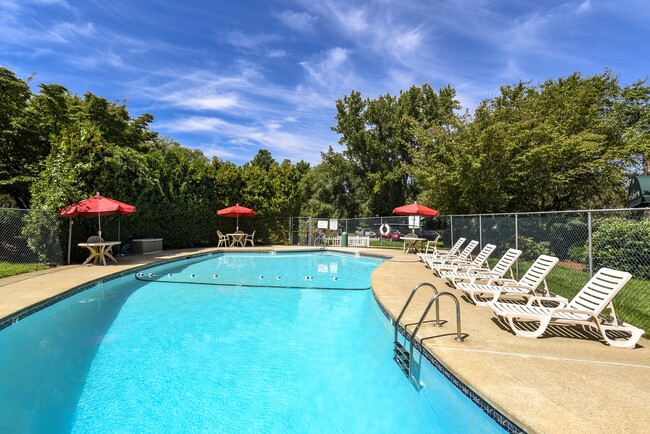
(415, 209)
(96, 206)
(236, 211)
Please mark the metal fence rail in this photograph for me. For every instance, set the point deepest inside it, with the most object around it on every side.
(29, 241)
(583, 240)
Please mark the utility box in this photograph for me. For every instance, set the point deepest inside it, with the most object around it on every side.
(143, 246)
(344, 239)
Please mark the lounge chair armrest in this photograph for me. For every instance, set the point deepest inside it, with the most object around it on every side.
(518, 286)
(480, 270)
(576, 311)
(561, 301)
(500, 281)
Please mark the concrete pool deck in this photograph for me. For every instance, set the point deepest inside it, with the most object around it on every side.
(565, 381)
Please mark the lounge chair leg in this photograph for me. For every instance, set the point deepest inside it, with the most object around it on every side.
(635, 335)
(525, 333)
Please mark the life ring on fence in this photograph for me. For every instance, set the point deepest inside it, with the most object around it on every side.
(384, 229)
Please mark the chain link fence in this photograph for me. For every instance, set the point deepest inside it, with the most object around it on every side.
(29, 242)
(584, 241)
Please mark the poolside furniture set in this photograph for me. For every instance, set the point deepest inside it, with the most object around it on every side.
(527, 305)
(99, 249)
(236, 239)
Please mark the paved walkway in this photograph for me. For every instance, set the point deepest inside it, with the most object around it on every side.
(563, 382)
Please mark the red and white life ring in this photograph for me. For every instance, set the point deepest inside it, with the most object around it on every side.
(384, 229)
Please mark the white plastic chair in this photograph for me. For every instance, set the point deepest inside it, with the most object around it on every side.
(223, 239)
(250, 239)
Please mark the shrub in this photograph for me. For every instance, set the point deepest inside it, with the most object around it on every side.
(622, 244)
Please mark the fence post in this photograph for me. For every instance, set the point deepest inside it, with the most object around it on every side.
(309, 231)
(517, 242)
(591, 247)
(69, 240)
(451, 226)
(480, 232)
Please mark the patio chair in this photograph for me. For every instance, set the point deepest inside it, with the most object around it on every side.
(250, 239)
(453, 251)
(432, 246)
(223, 239)
(459, 264)
(465, 256)
(95, 239)
(472, 275)
(527, 285)
(585, 309)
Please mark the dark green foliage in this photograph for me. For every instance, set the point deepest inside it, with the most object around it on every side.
(622, 244)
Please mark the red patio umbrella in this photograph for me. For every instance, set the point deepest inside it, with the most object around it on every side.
(415, 209)
(236, 211)
(96, 206)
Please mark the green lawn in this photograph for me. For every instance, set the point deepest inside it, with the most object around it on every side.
(11, 268)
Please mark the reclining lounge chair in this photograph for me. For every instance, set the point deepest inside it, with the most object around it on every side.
(479, 274)
(452, 252)
(585, 309)
(463, 256)
(459, 264)
(527, 285)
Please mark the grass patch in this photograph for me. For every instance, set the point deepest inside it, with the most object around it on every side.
(12, 268)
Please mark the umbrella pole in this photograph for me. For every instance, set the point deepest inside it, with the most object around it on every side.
(69, 240)
(99, 216)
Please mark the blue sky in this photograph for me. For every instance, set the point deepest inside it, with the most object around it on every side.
(230, 77)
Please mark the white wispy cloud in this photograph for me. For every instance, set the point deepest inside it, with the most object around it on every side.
(70, 32)
(248, 138)
(585, 6)
(327, 68)
(298, 21)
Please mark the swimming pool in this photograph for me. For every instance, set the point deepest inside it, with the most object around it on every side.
(152, 356)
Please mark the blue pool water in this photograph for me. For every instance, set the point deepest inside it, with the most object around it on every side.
(134, 356)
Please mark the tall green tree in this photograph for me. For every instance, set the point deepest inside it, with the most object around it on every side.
(381, 137)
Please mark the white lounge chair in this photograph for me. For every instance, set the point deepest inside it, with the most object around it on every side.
(453, 251)
(479, 274)
(465, 256)
(527, 285)
(223, 239)
(459, 264)
(585, 309)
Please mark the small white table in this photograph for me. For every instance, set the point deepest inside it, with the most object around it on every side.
(237, 239)
(99, 251)
(411, 244)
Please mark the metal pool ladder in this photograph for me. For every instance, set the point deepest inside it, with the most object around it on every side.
(404, 357)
